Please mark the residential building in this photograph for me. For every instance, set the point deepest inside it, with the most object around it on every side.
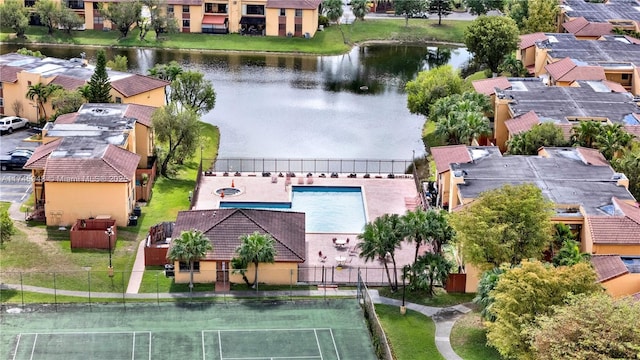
(618, 13)
(224, 227)
(617, 55)
(18, 72)
(90, 164)
(588, 195)
(529, 101)
(584, 29)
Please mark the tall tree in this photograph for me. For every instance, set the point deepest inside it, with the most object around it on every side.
(168, 72)
(48, 12)
(68, 19)
(427, 271)
(380, 239)
(333, 10)
(431, 226)
(585, 133)
(40, 93)
(360, 8)
(254, 249)
(410, 8)
(122, 15)
(629, 164)
(481, 7)
(66, 101)
(518, 10)
(99, 86)
(527, 143)
(440, 8)
(176, 129)
(119, 63)
(613, 140)
(542, 16)
(490, 39)
(484, 297)
(6, 226)
(529, 291)
(189, 248)
(588, 327)
(512, 66)
(438, 56)
(190, 90)
(160, 20)
(505, 225)
(14, 15)
(570, 254)
(432, 85)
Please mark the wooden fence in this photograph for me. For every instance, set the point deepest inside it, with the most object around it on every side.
(91, 234)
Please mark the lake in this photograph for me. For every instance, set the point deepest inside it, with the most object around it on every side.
(350, 106)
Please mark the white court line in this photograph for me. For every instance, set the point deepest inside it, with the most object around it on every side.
(334, 344)
(149, 345)
(33, 349)
(133, 349)
(274, 357)
(17, 344)
(220, 344)
(258, 330)
(318, 343)
(204, 355)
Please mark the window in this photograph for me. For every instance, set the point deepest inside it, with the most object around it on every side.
(208, 7)
(28, 83)
(254, 10)
(118, 100)
(186, 23)
(169, 9)
(185, 8)
(98, 19)
(283, 12)
(626, 76)
(184, 267)
(298, 12)
(1, 101)
(96, 6)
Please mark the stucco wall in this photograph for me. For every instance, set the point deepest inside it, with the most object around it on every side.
(609, 249)
(207, 273)
(68, 201)
(273, 274)
(624, 285)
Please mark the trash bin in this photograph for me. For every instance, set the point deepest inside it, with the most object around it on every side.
(133, 220)
(169, 270)
(137, 211)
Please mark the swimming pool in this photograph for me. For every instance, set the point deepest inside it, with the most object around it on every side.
(328, 209)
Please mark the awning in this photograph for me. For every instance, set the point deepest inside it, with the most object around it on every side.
(214, 19)
(250, 20)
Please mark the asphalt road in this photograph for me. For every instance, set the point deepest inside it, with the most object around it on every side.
(15, 186)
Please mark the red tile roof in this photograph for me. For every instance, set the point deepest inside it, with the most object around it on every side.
(223, 227)
(614, 86)
(574, 25)
(529, 40)
(293, 4)
(592, 156)
(488, 86)
(616, 229)
(445, 155)
(608, 267)
(584, 73)
(595, 29)
(66, 118)
(633, 129)
(142, 113)
(9, 74)
(68, 82)
(632, 39)
(38, 160)
(137, 84)
(522, 123)
(560, 68)
(116, 165)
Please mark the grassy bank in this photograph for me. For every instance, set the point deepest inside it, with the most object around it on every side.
(329, 41)
(440, 299)
(469, 339)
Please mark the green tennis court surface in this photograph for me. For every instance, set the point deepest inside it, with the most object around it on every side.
(322, 330)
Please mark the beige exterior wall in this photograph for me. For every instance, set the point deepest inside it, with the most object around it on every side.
(501, 115)
(444, 182)
(18, 91)
(206, 275)
(616, 249)
(273, 20)
(527, 56)
(310, 21)
(154, 98)
(67, 202)
(454, 196)
(473, 278)
(624, 285)
(195, 16)
(144, 144)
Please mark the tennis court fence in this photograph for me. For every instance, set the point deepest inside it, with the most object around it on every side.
(380, 342)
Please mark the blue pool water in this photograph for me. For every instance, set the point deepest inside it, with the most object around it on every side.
(328, 209)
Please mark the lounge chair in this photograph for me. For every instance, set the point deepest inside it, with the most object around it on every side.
(323, 258)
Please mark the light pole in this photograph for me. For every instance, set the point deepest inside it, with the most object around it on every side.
(403, 308)
(109, 233)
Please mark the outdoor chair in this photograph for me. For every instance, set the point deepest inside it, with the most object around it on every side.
(323, 258)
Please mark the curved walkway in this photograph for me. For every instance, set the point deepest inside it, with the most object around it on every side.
(444, 318)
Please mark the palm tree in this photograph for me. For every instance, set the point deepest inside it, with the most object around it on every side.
(333, 11)
(40, 94)
(475, 125)
(190, 247)
(255, 248)
(381, 238)
(450, 128)
(427, 270)
(612, 140)
(586, 132)
(431, 226)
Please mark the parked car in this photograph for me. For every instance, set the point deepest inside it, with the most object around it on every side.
(420, 15)
(13, 162)
(11, 123)
(22, 152)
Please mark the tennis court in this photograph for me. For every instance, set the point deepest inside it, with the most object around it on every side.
(324, 329)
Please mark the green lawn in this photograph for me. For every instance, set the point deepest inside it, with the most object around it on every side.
(329, 41)
(441, 299)
(468, 339)
(411, 336)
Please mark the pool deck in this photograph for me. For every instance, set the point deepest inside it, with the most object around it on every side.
(381, 196)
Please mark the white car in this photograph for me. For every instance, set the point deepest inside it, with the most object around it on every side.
(11, 123)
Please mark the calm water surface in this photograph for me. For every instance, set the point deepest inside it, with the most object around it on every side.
(350, 106)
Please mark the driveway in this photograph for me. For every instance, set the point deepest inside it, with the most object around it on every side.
(15, 186)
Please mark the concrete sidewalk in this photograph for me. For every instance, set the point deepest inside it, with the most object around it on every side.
(444, 318)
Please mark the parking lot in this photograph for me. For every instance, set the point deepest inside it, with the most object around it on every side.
(15, 186)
